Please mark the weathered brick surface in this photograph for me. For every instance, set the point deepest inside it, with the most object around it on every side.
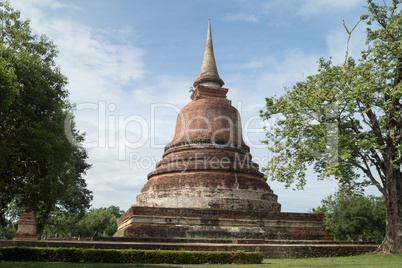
(178, 222)
(207, 164)
(212, 119)
(27, 227)
(208, 189)
(270, 248)
(203, 92)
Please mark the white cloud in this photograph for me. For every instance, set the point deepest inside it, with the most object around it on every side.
(96, 68)
(34, 10)
(241, 17)
(283, 9)
(313, 7)
(254, 64)
(274, 74)
(31, 8)
(270, 7)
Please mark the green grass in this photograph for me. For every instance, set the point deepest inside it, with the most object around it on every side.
(361, 261)
(365, 260)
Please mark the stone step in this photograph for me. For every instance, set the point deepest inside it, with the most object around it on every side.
(270, 250)
(226, 241)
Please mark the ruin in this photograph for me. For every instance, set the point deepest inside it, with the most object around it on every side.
(27, 227)
(206, 184)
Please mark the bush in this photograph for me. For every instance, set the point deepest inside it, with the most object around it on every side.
(351, 216)
(127, 256)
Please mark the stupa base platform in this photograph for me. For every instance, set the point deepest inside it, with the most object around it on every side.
(212, 223)
(25, 236)
(270, 248)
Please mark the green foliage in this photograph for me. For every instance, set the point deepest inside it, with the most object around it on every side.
(127, 256)
(100, 221)
(353, 217)
(9, 86)
(62, 224)
(40, 169)
(8, 230)
(345, 117)
(10, 220)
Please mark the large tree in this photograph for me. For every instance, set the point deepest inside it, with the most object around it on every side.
(40, 167)
(346, 120)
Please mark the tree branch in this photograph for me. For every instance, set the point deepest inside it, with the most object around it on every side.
(376, 161)
(370, 175)
(398, 138)
(352, 126)
(347, 41)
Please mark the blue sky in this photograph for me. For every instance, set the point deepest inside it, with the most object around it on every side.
(130, 66)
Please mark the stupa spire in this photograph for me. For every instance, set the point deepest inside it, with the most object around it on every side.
(209, 72)
(208, 64)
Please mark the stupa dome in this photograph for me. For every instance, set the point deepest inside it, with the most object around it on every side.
(207, 164)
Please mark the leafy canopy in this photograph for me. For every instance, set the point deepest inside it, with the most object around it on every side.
(40, 169)
(346, 120)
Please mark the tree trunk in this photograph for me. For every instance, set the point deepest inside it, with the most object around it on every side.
(393, 232)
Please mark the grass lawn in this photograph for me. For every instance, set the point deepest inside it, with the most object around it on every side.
(366, 260)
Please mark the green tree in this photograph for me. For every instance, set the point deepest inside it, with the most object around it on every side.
(100, 221)
(353, 217)
(346, 120)
(9, 86)
(40, 169)
(62, 224)
(10, 222)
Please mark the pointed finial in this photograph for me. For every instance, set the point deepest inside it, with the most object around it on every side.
(209, 73)
(209, 64)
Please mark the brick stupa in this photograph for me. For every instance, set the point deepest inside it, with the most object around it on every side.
(27, 227)
(207, 185)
